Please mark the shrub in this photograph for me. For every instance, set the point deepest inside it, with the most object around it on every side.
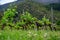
(8, 16)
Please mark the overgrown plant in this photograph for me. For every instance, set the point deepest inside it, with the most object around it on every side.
(26, 21)
(7, 18)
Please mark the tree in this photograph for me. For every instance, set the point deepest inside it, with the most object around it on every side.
(46, 22)
(7, 18)
(26, 21)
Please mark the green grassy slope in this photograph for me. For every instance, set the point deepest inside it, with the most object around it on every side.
(29, 35)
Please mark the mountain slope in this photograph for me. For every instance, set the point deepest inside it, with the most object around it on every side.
(36, 9)
(40, 1)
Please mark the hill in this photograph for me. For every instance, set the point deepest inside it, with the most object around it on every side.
(35, 8)
(39, 1)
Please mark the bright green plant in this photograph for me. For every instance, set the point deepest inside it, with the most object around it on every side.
(40, 22)
(45, 20)
(7, 18)
(20, 24)
(8, 15)
(26, 19)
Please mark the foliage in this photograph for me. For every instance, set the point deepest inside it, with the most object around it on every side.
(8, 15)
(26, 20)
(38, 10)
(34, 8)
(20, 24)
(15, 18)
(27, 17)
(8, 18)
(45, 20)
(29, 35)
(56, 6)
(58, 23)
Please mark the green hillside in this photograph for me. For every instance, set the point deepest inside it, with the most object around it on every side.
(29, 13)
(38, 10)
(30, 20)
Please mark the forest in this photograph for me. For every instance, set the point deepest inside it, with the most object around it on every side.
(30, 20)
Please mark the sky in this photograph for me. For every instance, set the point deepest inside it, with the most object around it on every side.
(6, 1)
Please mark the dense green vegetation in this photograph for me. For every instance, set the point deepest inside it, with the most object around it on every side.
(29, 15)
(29, 35)
(26, 20)
(37, 10)
(54, 5)
(29, 21)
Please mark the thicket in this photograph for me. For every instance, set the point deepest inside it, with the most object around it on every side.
(26, 21)
(28, 15)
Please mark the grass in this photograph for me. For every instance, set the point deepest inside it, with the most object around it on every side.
(29, 35)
